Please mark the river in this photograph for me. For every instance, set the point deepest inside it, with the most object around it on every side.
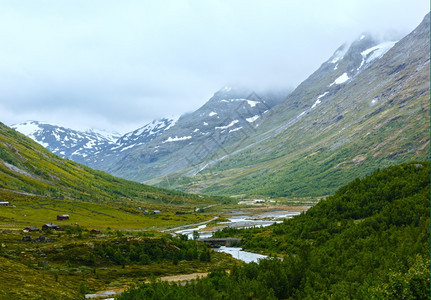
(240, 219)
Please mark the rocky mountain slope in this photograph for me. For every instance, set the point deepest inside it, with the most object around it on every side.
(196, 137)
(66, 142)
(91, 147)
(28, 170)
(366, 107)
(222, 117)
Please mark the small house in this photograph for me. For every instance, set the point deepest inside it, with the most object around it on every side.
(51, 226)
(155, 212)
(4, 203)
(62, 217)
(31, 229)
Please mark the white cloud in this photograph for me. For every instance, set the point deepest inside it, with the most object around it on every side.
(123, 63)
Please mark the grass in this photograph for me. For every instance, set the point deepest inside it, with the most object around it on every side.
(36, 211)
(54, 270)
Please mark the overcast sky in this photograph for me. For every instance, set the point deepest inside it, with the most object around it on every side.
(117, 65)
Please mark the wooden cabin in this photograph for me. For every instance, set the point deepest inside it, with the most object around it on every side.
(52, 227)
(62, 217)
(31, 229)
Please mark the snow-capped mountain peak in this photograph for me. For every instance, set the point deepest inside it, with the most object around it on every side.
(104, 134)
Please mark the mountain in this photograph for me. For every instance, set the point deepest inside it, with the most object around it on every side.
(91, 147)
(230, 114)
(66, 142)
(29, 170)
(114, 152)
(367, 107)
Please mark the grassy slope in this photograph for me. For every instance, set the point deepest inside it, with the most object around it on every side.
(42, 185)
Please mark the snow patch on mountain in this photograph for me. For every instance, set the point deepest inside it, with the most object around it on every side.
(235, 129)
(28, 128)
(108, 135)
(252, 103)
(318, 101)
(227, 126)
(375, 52)
(252, 119)
(342, 79)
(177, 139)
(128, 147)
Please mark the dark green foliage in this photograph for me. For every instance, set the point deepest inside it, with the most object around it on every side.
(125, 250)
(370, 240)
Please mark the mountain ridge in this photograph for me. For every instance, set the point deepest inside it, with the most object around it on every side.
(349, 134)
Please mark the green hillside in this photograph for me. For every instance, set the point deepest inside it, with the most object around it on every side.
(40, 185)
(107, 243)
(370, 240)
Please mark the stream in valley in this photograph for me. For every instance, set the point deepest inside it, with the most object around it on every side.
(236, 219)
(240, 219)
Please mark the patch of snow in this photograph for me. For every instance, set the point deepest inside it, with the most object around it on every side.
(342, 79)
(27, 128)
(252, 119)
(173, 121)
(176, 139)
(362, 37)
(104, 134)
(128, 147)
(90, 145)
(224, 101)
(252, 103)
(322, 95)
(316, 103)
(375, 52)
(226, 89)
(227, 126)
(301, 114)
(76, 152)
(378, 50)
(56, 136)
(374, 101)
(212, 114)
(205, 124)
(196, 130)
(336, 67)
(236, 129)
